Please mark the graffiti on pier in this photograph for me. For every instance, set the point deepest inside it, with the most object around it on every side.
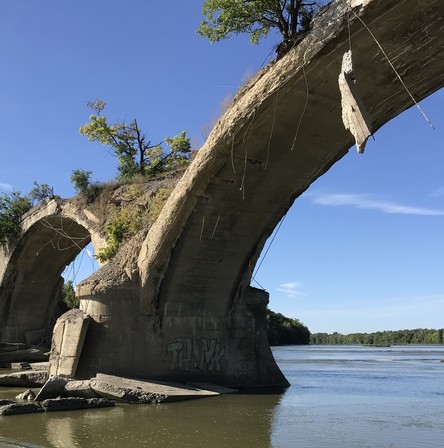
(192, 353)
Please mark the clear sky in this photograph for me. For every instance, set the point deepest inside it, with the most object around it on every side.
(362, 250)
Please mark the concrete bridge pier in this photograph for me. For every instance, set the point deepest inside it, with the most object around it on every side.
(232, 350)
(184, 311)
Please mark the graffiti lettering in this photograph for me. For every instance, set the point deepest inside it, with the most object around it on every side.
(203, 354)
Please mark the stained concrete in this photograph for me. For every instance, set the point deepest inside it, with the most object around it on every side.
(137, 391)
(184, 311)
(53, 234)
(193, 317)
(67, 343)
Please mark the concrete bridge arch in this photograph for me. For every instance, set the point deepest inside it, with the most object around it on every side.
(189, 313)
(53, 234)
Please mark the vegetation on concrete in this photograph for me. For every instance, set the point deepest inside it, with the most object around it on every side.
(40, 192)
(381, 338)
(12, 207)
(136, 212)
(126, 223)
(158, 201)
(88, 190)
(291, 18)
(136, 154)
(285, 331)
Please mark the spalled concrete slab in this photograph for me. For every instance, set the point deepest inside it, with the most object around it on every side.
(20, 408)
(215, 388)
(28, 395)
(53, 388)
(67, 342)
(30, 354)
(40, 366)
(79, 389)
(138, 391)
(27, 378)
(4, 402)
(75, 403)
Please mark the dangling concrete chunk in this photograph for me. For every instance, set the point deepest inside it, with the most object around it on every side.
(354, 115)
(67, 342)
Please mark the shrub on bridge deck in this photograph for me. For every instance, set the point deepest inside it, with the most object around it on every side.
(126, 223)
(134, 152)
(81, 179)
(41, 192)
(12, 207)
(223, 18)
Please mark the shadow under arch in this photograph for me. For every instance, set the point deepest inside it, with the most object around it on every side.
(31, 282)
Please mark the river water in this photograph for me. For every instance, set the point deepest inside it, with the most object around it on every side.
(340, 396)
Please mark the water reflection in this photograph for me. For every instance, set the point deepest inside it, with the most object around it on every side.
(225, 421)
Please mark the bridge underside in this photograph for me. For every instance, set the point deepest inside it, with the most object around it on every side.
(31, 285)
(189, 313)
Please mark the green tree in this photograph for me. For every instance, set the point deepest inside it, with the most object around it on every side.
(81, 179)
(68, 295)
(41, 192)
(12, 207)
(285, 331)
(134, 152)
(223, 18)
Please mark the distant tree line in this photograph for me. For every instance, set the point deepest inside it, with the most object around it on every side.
(285, 331)
(417, 336)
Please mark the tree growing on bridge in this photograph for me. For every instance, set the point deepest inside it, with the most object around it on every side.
(223, 18)
(41, 192)
(135, 153)
(12, 207)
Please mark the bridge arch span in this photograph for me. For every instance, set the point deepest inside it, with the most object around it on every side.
(190, 313)
(53, 234)
(283, 131)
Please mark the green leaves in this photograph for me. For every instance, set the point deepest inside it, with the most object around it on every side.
(223, 18)
(134, 152)
(12, 207)
(284, 331)
(41, 192)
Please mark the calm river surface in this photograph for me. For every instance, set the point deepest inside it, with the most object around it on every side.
(340, 396)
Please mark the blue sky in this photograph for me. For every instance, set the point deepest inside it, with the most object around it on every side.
(361, 250)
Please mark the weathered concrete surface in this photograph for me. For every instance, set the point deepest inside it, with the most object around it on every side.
(53, 234)
(181, 309)
(30, 354)
(137, 391)
(80, 389)
(75, 403)
(354, 114)
(54, 387)
(28, 395)
(28, 378)
(194, 317)
(58, 386)
(20, 408)
(67, 343)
